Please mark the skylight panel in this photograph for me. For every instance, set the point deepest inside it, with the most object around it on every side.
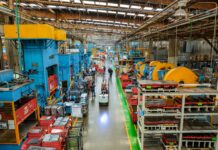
(148, 8)
(92, 10)
(131, 14)
(81, 9)
(159, 9)
(124, 5)
(112, 4)
(101, 3)
(65, 1)
(77, 1)
(23, 4)
(121, 13)
(89, 2)
(141, 15)
(135, 7)
(150, 16)
(51, 6)
(112, 12)
(102, 11)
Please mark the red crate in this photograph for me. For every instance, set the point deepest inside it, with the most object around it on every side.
(133, 114)
(46, 120)
(47, 128)
(31, 142)
(133, 100)
(125, 83)
(36, 132)
(124, 77)
(62, 132)
(134, 91)
(55, 143)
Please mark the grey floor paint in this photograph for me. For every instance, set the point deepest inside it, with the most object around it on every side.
(105, 129)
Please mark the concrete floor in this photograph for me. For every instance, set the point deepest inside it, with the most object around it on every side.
(105, 124)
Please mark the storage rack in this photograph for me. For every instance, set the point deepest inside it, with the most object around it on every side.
(180, 115)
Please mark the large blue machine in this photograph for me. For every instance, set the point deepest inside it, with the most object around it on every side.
(65, 73)
(41, 62)
(78, 45)
(75, 62)
(17, 104)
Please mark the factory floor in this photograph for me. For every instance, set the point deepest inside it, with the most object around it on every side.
(105, 128)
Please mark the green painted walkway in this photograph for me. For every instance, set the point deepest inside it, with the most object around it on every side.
(131, 131)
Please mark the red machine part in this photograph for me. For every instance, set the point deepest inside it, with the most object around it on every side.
(197, 101)
(52, 82)
(169, 139)
(28, 108)
(199, 136)
(162, 103)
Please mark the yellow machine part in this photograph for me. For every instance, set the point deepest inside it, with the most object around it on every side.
(30, 31)
(160, 66)
(137, 66)
(153, 63)
(141, 69)
(182, 75)
(60, 35)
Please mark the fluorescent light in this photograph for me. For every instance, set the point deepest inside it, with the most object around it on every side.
(148, 8)
(62, 7)
(117, 22)
(141, 15)
(121, 13)
(124, 5)
(81, 9)
(135, 7)
(112, 4)
(110, 21)
(23, 4)
(131, 14)
(159, 9)
(88, 19)
(52, 19)
(92, 10)
(51, 6)
(132, 24)
(150, 16)
(100, 3)
(102, 11)
(77, 1)
(33, 5)
(89, 2)
(112, 12)
(65, 0)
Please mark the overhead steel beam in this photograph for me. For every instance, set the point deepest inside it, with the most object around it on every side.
(78, 16)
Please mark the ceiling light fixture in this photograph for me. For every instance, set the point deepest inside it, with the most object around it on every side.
(148, 8)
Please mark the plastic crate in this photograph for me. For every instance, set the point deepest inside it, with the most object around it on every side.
(133, 100)
(36, 132)
(46, 120)
(62, 132)
(31, 141)
(124, 77)
(52, 140)
(134, 91)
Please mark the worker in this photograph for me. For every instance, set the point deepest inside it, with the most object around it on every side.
(93, 89)
(110, 71)
(104, 68)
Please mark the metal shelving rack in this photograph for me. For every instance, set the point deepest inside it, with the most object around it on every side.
(183, 92)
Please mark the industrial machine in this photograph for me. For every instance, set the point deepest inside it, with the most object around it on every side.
(65, 74)
(18, 109)
(40, 57)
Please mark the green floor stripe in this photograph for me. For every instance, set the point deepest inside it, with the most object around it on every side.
(130, 126)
